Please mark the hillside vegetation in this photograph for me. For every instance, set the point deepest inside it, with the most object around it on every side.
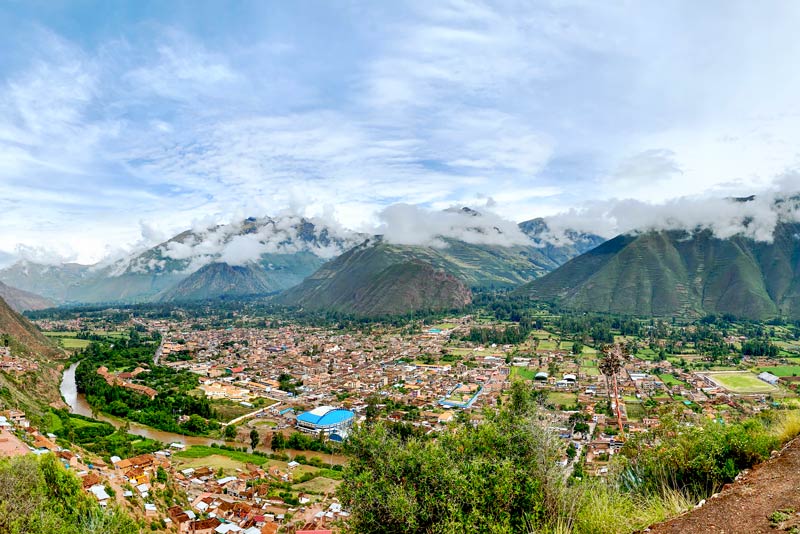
(34, 389)
(38, 496)
(675, 273)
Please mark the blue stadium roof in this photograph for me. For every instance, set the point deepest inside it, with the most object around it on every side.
(325, 416)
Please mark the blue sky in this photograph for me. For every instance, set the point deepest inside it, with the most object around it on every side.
(122, 123)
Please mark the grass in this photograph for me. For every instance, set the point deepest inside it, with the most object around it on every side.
(202, 451)
(604, 510)
(68, 340)
(523, 372)
(635, 411)
(445, 326)
(320, 485)
(591, 371)
(783, 370)
(546, 344)
(562, 399)
(742, 382)
(670, 380)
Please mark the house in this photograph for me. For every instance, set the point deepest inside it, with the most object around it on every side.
(206, 526)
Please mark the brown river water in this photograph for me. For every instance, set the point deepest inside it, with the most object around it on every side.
(77, 403)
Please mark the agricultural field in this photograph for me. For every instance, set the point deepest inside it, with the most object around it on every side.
(634, 410)
(547, 344)
(561, 399)
(782, 370)
(68, 340)
(670, 380)
(522, 372)
(741, 382)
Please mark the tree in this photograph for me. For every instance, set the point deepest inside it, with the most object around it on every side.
(254, 439)
(230, 432)
(610, 365)
(501, 476)
(161, 474)
(278, 441)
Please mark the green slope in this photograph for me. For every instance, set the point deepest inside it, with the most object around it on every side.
(220, 279)
(674, 273)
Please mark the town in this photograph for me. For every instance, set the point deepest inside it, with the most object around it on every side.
(274, 381)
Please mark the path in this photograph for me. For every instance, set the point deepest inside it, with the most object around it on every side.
(746, 505)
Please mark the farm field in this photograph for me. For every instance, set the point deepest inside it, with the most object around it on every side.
(670, 380)
(741, 382)
(68, 340)
(561, 399)
(782, 370)
(522, 372)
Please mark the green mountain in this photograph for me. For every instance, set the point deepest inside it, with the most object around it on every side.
(21, 300)
(220, 279)
(377, 278)
(677, 273)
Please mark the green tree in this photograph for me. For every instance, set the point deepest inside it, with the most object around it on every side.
(278, 441)
(254, 439)
(230, 432)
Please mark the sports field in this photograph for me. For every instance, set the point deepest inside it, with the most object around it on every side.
(741, 382)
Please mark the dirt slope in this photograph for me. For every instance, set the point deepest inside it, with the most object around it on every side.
(749, 505)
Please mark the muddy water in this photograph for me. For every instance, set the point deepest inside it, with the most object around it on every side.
(77, 403)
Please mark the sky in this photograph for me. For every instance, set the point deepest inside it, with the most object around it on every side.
(123, 123)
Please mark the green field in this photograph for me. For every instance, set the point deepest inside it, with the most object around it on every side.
(590, 371)
(635, 410)
(562, 399)
(522, 372)
(68, 340)
(741, 382)
(670, 380)
(546, 344)
(783, 370)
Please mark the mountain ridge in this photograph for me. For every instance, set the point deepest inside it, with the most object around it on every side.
(675, 272)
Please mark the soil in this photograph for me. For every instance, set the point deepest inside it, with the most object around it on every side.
(764, 499)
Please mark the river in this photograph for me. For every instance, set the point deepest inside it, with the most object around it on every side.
(78, 404)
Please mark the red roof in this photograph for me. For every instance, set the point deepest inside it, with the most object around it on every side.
(314, 532)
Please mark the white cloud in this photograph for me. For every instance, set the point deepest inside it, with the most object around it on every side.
(412, 225)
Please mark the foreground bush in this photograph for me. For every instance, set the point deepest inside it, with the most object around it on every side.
(38, 496)
(502, 476)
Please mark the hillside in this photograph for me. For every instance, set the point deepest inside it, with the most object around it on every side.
(21, 300)
(220, 279)
(763, 500)
(672, 273)
(376, 278)
(36, 387)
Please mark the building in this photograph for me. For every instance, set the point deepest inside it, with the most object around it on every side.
(769, 378)
(334, 422)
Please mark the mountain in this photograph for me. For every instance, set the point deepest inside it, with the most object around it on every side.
(21, 300)
(36, 388)
(380, 277)
(220, 279)
(289, 248)
(559, 249)
(678, 273)
(377, 278)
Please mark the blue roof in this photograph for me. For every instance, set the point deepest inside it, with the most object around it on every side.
(324, 417)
